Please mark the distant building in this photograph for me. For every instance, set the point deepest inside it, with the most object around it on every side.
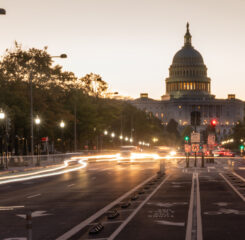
(188, 89)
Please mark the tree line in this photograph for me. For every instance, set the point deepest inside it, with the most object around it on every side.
(60, 95)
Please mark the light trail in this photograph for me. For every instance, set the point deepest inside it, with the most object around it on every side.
(26, 178)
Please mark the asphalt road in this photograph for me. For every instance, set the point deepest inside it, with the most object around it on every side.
(194, 203)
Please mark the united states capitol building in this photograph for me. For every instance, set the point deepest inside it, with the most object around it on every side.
(187, 90)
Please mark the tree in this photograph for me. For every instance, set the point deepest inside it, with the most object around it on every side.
(94, 85)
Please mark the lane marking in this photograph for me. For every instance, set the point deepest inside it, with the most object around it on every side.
(36, 195)
(35, 214)
(87, 221)
(119, 229)
(234, 189)
(194, 222)
(70, 185)
(243, 179)
(9, 208)
(199, 216)
(180, 224)
(190, 212)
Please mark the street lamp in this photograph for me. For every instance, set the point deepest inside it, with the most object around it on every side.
(2, 114)
(105, 132)
(2, 117)
(37, 122)
(62, 125)
(31, 101)
(113, 135)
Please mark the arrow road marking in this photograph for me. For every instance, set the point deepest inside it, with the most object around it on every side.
(35, 214)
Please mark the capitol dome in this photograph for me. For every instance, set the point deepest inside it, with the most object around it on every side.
(188, 56)
(187, 73)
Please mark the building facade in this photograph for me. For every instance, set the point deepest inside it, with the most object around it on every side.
(188, 89)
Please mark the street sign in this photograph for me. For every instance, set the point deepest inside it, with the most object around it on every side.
(44, 139)
(204, 148)
(211, 139)
(187, 148)
(195, 147)
(195, 137)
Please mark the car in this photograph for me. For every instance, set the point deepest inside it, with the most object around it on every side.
(224, 153)
(127, 151)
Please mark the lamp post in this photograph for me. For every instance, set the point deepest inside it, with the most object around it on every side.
(37, 122)
(31, 102)
(2, 117)
(62, 125)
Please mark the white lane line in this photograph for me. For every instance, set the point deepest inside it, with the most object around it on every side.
(199, 216)
(194, 223)
(243, 179)
(234, 189)
(70, 185)
(32, 196)
(190, 212)
(119, 229)
(87, 221)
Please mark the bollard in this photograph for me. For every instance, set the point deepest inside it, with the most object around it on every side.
(29, 225)
(162, 166)
(202, 159)
(195, 163)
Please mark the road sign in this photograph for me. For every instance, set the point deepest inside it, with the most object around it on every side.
(195, 137)
(195, 147)
(44, 139)
(211, 139)
(204, 148)
(187, 148)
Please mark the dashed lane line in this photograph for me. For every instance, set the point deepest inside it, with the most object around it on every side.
(32, 196)
(70, 185)
(87, 221)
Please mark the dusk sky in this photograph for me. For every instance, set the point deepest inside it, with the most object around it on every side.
(131, 43)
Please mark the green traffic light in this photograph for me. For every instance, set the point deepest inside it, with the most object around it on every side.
(242, 147)
(186, 138)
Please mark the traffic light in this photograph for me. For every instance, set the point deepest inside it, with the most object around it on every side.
(187, 138)
(213, 122)
(241, 147)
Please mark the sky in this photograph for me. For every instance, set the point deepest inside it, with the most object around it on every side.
(131, 43)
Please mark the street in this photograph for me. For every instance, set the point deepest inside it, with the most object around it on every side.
(193, 203)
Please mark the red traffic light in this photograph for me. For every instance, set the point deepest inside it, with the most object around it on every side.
(214, 122)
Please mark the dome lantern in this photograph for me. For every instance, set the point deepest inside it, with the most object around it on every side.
(187, 35)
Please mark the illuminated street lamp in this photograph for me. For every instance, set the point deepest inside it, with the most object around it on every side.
(37, 122)
(31, 100)
(126, 139)
(121, 137)
(131, 140)
(2, 117)
(105, 132)
(113, 135)
(62, 124)
(2, 114)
